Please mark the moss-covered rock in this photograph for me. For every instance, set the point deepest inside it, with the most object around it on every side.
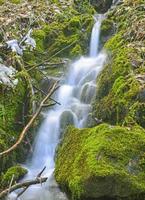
(107, 29)
(15, 172)
(104, 161)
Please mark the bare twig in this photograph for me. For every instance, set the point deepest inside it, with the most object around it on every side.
(27, 127)
(48, 105)
(38, 89)
(38, 176)
(47, 60)
(22, 192)
(22, 185)
(11, 182)
(40, 173)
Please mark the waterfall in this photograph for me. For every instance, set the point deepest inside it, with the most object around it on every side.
(94, 43)
(75, 96)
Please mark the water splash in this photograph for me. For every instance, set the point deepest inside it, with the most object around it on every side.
(75, 96)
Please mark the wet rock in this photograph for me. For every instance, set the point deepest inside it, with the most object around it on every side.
(87, 93)
(141, 95)
(101, 6)
(66, 118)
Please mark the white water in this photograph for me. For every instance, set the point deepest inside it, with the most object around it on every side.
(94, 43)
(75, 96)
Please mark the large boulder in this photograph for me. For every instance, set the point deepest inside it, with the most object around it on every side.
(104, 162)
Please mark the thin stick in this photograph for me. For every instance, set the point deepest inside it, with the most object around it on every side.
(46, 94)
(29, 124)
(47, 60)
(22, 185)
(11, 182)
(38, 176)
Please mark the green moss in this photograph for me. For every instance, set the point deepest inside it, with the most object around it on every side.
(29, 57)
(56, 36)
(115, 43)
(84, 6)
(106, 27)
(76, 51)
(11, 102)
(39, 36)
(115, 106)
(120, 65)
(2, 2)
(72, 26)
(16, 172)
(14, 106)
(118, 89)
(15, 1)
(136, 114)
(90, 160)
(2, 141)
(64, 43)
(52, 31)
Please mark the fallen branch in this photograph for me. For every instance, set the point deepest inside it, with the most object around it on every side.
(11, 182)
(40, 173)
(44, 93)
(52, 65)
(25, 188)
(29, 124)
(47, 60)
(22, 185)
(48, 105)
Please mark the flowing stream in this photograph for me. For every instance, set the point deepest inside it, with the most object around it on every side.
(75, 96)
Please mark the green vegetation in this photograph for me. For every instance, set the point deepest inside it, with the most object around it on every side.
(15, 1)
(1, 2)
(16, 172)
(120, 92)
(90, 161)
(107, 161)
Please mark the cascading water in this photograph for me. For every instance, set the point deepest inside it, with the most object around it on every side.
(75, 96)
(94, 43)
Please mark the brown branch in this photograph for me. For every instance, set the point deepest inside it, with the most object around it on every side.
(25, 188)
(11, 182)
(47, 60)
(52, 65)
(23, 185)
(29, 124)
(40, 173)
(48, 105)
(44, 93)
